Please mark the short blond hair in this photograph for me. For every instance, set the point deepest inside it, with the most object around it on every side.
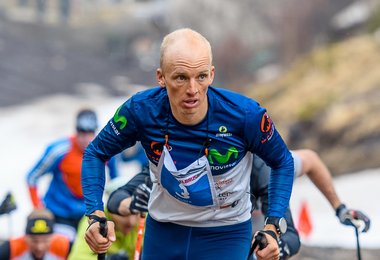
(181, 33)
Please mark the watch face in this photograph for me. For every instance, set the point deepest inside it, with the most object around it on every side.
(282, 225)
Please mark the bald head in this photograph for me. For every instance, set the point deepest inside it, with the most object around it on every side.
(183, 41)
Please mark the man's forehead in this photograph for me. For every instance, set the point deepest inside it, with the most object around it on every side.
(188, 56)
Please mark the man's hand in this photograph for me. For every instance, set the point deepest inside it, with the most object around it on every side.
(271, 251)
(95, 240)
(140, 198)
(355, 218)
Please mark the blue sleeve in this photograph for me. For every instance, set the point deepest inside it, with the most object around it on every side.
(47, 162)
(112, 167)
(259, 186)
(264, 140)
(291, 238)
(119, 134)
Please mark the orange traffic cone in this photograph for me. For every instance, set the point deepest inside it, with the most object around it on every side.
(305, 226)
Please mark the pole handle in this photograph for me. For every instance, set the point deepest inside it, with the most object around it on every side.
(103, 230)
(260, 241)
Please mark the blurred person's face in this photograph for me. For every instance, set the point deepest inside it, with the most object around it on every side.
(125, 224)
(38, 244)
(186, 73)
(84, 139)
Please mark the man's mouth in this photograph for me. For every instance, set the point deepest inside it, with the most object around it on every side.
(191, 103)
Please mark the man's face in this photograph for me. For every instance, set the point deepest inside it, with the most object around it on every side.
(38, 244)
(84, 139)
(186, 73)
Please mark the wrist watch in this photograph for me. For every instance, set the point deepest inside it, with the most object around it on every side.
(279, 223)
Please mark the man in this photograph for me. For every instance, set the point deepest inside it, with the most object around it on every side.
(39, 242)
(310, 164)
(63, 159)
(199, 141)
(126, 231)
(125, 206)
(306, 162)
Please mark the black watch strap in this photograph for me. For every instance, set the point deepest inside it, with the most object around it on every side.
(278, 222)
(95, 218)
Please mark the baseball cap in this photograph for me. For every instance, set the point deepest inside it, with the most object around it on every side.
(39, 222)
(86, 121)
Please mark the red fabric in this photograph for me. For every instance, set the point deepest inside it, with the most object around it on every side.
(305, 226)
(37, 203)
(71, 169)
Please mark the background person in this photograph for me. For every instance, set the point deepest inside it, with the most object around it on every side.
(63, 160)
(39, 241)
(126, 230)
(306, 162)
(313, 166)
(125, 205)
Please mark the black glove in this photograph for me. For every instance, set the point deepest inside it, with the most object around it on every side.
(355, 218)
(284, 249)
(140, 197)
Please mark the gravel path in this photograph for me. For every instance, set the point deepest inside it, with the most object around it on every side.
(309, 253)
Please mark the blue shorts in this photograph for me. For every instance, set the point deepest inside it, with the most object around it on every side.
(168, 241)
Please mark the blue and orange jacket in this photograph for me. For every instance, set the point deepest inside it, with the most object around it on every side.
(18, 249)
(64, 197)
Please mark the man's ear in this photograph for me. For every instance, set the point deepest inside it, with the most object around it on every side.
(160, 77)
(212, 74)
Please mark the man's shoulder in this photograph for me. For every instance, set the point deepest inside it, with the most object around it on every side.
(60, 245)
(153, 100)
(59, 146)
(231, 98)
(150, 94)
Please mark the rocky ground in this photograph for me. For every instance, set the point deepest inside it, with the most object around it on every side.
(319, 253)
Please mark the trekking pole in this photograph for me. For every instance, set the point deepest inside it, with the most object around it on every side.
(10, 225)
(140, 234)
(6, 207)
(103, 230)
(260, 241)
(357, 243)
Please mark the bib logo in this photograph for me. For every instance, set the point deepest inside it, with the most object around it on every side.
(120, 119)
(222, 159)
(223, 132)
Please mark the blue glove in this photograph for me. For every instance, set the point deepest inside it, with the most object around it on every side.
(355, 218)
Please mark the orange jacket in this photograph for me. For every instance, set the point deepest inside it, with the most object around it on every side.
(17, 248)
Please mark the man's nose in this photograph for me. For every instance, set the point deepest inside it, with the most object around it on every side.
(193, 87)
